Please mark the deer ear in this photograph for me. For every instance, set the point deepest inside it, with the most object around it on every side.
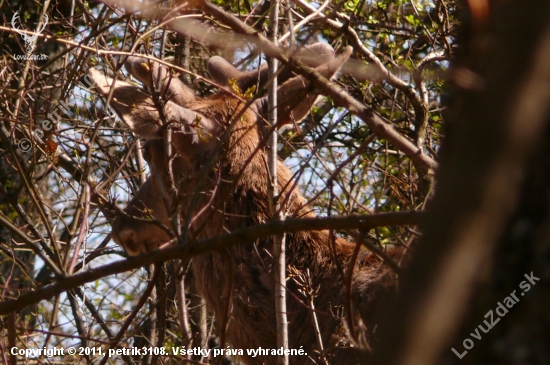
(155, 75)
(296, 96)
(137, 109)
(139, 113)
(222, 71)
(316, 54)
(133, 106)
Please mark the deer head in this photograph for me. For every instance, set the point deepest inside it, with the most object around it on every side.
(209, 176)
(30, 40)
(197, 128)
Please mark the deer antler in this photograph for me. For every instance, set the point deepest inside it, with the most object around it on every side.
(44, 24)
(14, 20)
(31, 39)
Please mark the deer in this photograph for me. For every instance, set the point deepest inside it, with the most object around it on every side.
(219, 172)
(30, 40)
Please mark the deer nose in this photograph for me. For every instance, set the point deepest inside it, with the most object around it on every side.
(137, 239)
(128, 240)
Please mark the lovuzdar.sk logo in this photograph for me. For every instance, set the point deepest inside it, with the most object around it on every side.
(30, 39)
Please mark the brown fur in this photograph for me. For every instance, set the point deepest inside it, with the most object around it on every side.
(234, 195)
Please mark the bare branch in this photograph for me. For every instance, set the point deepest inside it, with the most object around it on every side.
(242, 236)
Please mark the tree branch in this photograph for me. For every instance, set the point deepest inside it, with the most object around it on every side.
(242, 236)
(379, 125)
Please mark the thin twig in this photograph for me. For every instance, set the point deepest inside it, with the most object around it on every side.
(241, 236)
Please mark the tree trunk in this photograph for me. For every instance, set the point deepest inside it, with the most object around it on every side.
(488, 225)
